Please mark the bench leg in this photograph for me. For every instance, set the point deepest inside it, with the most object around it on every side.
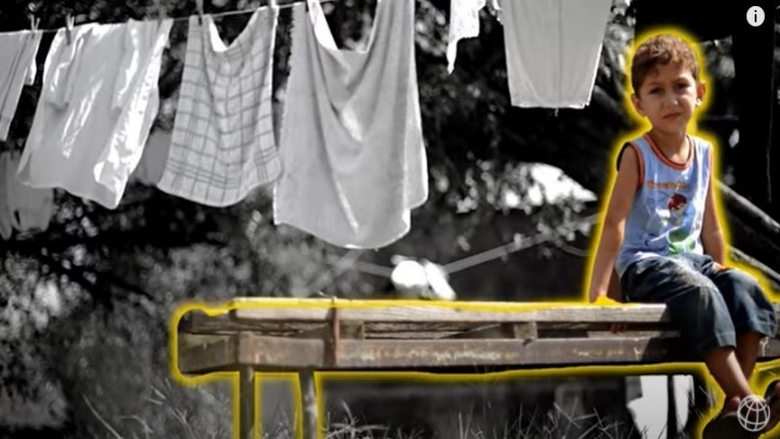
(247, 402)
(308, 404)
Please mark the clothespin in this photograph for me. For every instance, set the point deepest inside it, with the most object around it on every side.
(199, 4)
(34, 22)
(69, 22)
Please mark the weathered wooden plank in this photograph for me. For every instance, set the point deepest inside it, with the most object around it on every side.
(209, 326)
(377, 354)
(266, 351)
(404, 327)
(215, 354)
(504, 330)
(199, 323)
(451, 353)
(187, 340)
(380, 354)
(465, 312)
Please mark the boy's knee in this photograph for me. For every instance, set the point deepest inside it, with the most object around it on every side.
(741, 278)
(744, 284)
(754, 310)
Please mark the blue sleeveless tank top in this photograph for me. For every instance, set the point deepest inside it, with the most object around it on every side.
(668, 210)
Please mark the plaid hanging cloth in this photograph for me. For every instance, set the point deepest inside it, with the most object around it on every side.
(223, 145)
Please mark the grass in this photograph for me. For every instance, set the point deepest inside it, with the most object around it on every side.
(555, 424)
(173, 422)
(115, 396)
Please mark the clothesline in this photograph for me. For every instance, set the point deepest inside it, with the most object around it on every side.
(338, 265)
(281, 4)
(221, 149)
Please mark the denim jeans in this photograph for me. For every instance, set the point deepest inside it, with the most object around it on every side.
(709, 305)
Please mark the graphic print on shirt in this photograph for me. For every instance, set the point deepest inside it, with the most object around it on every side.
(680, 239)
(669, 214)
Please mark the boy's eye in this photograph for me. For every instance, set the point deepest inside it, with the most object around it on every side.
(655, 90)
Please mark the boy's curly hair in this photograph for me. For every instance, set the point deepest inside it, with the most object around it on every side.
(661, 50)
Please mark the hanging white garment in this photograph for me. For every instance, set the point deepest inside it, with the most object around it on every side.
(150, 168)
(552, 50)
(223, 144)
(352, 142)
(8, 221)
(464, 23)
(17, 69)
(97, 104)
(31, 208)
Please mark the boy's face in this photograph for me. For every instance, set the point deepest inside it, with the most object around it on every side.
(668, 97)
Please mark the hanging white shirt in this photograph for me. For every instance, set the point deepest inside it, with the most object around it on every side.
(464, 23)
(352, 142)
(553, 49)
(98, 101)
(17, 69)
(223, 144)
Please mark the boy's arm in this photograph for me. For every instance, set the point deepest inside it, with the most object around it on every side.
(621, 198)
(711, 234)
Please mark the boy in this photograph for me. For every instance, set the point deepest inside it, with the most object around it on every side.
(661, 233)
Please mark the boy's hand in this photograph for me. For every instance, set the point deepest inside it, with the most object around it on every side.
(595, 296)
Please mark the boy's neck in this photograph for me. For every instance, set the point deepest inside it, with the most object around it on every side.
(671, 144)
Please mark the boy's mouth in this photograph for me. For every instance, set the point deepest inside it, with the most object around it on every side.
(672, 116)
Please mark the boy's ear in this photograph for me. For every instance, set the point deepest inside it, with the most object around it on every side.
(701, 89)
(637, 104)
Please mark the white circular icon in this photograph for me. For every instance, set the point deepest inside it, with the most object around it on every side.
(753, 414)
(755, 16)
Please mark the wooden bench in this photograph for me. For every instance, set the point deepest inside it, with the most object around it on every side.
(310, 335)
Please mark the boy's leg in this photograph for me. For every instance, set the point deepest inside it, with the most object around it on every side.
(699, 312)
(747, 351)
(751, 311)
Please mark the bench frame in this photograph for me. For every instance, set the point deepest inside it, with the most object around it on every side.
(306, 336)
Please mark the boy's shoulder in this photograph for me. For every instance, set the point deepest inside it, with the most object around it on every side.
(643, 139)
(642, 144)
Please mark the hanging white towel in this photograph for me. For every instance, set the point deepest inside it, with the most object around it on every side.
(223, 144)
(97, 105)
(464, 23)
(352, 143)
(552, 50)
(17, 69)
(31, 208)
